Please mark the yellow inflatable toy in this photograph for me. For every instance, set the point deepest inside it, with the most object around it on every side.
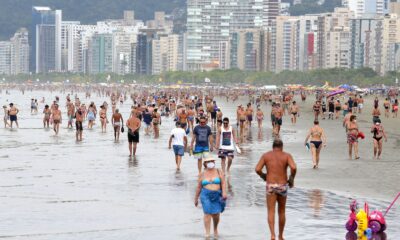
(362, 220)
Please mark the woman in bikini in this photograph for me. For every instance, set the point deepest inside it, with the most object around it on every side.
(378, 134)
(318, 138)
(103, 118)
(352, 137)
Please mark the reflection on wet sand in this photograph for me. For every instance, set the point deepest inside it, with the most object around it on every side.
(145, 198)
(316, 201)
(376, 236)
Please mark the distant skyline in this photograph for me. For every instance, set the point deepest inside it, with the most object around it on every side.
(14, 15)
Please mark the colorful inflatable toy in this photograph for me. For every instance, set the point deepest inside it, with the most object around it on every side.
(365, 223)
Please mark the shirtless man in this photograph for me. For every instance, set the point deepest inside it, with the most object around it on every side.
(278, 114)
(57, 118)
(249, 114)
(12, 113)
(79, 124)
(294, 110)
(183, 118)
(276, 162)
(71, 112)
(117, 121)
(242, 118)
(133, 124)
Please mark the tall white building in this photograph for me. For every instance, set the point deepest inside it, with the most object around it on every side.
(20, 52)
(5, 57)
(209, 24)
(165, 51)
(287, 43)
(122, 50)
(367, 8)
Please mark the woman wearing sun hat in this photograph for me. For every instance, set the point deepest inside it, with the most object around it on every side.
(212, 192)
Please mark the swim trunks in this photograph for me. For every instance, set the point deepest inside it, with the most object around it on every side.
(279, 189)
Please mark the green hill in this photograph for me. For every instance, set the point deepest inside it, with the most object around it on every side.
(17, 13)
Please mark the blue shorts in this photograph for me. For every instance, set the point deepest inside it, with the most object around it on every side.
(201, 152)
(179, 150)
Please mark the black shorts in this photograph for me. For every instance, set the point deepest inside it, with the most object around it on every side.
(13, 118)
(78, 126)
(278, 121)
(213, 115)
(133, 138)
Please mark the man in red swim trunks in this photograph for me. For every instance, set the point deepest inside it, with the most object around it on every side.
(276, 162)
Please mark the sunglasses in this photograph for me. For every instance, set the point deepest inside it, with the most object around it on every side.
(226, 122)
(202, 122)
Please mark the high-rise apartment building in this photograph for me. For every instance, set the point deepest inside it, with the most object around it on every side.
(122, 50)
(209, 24)
(366, 43)
(45, 48)
(390, 44)
(287, 43)
(367, 8)
(129, 18)
(40, 15)
(337, 53)
(165, 53)
(100, 53)
(5, 57)
(339, 19)
(246, 49)
(271, 10)
(20, 52)
(45, 22)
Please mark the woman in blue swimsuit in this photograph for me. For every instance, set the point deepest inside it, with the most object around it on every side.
(212, 192)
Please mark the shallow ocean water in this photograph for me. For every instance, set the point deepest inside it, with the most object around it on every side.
(54, 188)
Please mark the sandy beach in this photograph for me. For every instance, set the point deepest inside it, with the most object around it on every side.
(54, 188)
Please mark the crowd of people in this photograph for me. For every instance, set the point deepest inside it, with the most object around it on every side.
(201, 128)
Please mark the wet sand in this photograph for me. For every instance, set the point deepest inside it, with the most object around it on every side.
(55, 188)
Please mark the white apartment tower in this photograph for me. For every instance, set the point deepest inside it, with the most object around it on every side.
(20, 52)
(367, 8)
(209, 24)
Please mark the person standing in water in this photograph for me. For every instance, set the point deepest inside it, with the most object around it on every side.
(133, 124)
(12, 112)
(6, 116)
(294, 111)
(225, 144)
(117, 121)
(318, 139)
(378, 135)
(46, 118)
(277, 162)
(79, 124)
(202, 136)
(178, 139)
(211, 189)
(57, 118)
(91, 115)
(103, 118)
